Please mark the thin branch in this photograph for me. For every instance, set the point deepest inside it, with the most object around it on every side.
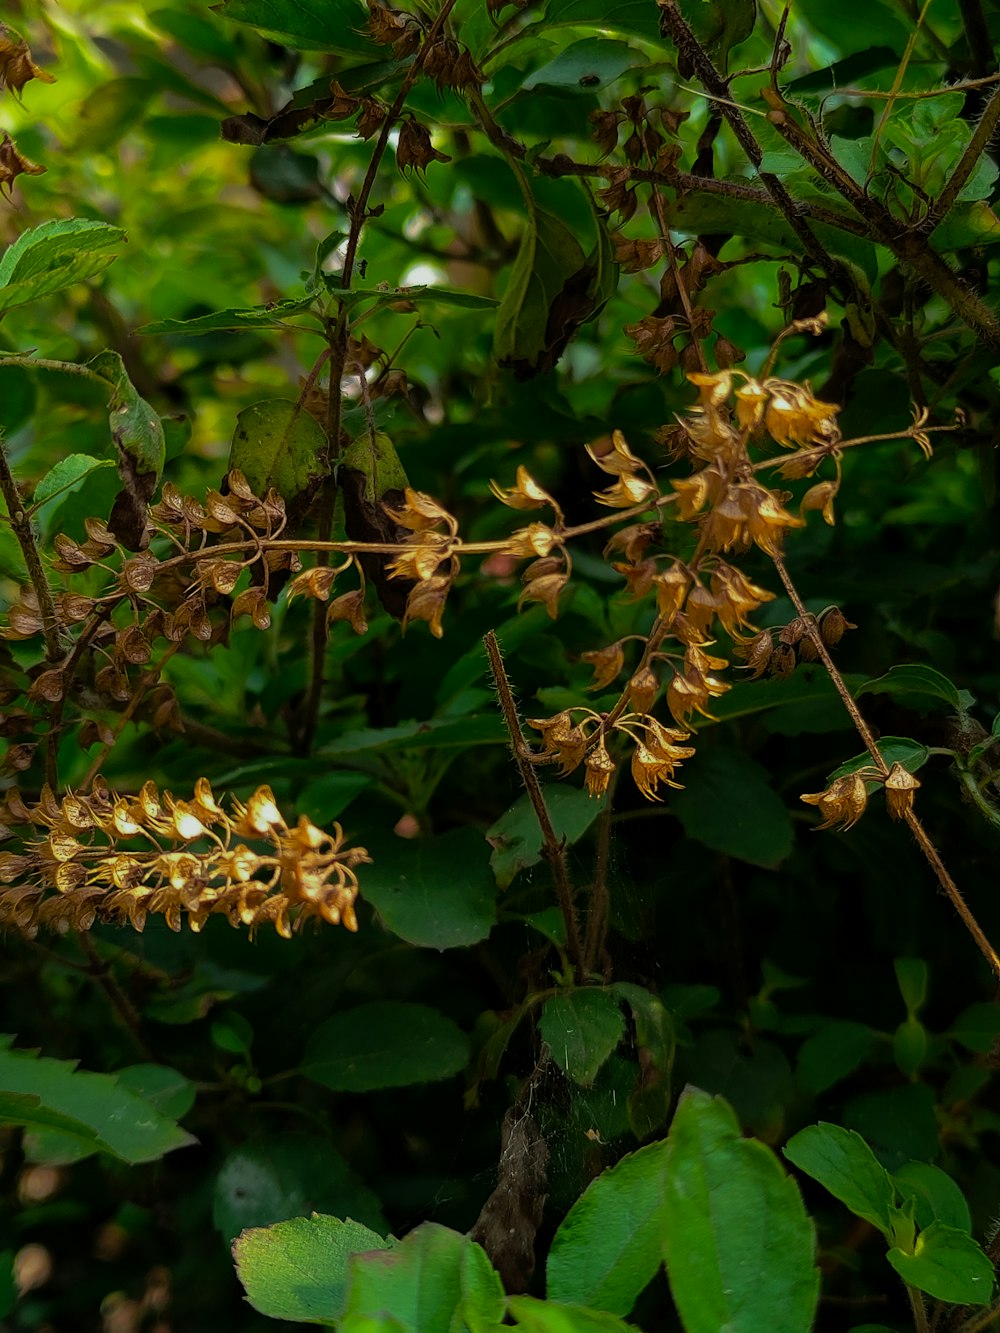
(553, 847)
(21, 525)
(924, 842)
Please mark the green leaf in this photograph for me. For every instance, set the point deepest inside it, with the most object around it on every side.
(911, 977)
(94, 1108)
(582, 1029)
(626, 16)
(171, 1093)
(268, 316)
(971, 223)
(587, 66)
(384, 1044)
(738, 1244)
(534, 1316)
(434, 1279)
(548, 258)
(948, 1265)
(977, 1027)
(278, 444)
(935, 1196)
(654, 1026)
(729, 805)
(53, 256)
(298, 1270)
(436, 733)
(138, 435)
(376, 459)
(894, 750)
(915, 686)
(977, 751)
(517, 840)
(434, 892)
(8, 1286)
(909, 1046)
(830, 1054)
(307, 25)
(67, 476)
(607, 1248)
(844, 1164)
(288, 1176)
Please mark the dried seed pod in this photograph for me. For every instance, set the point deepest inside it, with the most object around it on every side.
(832, 625)
(643, 689)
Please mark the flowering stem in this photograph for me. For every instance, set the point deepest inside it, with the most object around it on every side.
(924, 841)
(553, 847)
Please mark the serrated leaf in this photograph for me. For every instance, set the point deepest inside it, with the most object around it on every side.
(54, 255)
(517, 840)
(844, 1164)
(433, 1279)
(582, 1029)
(385, 1044)
(607, 1248)
(276, 443)
(298, 1269)
(947, 1264)
(738, 1244)
(438, 892)
(94, 1108)
(268, 316)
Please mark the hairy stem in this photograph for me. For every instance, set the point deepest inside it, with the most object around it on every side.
(553, 848)
(21, 526)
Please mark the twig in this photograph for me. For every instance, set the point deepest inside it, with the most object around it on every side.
(21, 525)
(924, 841)
(553, 848)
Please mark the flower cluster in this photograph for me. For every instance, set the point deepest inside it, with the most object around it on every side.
(844, 801)
(111, 858)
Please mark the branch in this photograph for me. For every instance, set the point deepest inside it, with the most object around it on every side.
(21, 525)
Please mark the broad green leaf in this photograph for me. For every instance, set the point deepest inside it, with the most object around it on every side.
(287, 1176)
(855, 29)
(517, 840)
(268, 316)
(534, 312)
(582, 1029)
(307, 25)
(276, 443)
(607, 1248)
(384, 1044)
(171, 1093)
(298, 1270)
(977, 1027)
(738, 1244)
(376, 459)
(970, 223)
(936, 1196)
(325, 798)
(534, 1316)
(434, 892)
(911, 977)
(915, 686)
(436, 733)
(729, 805)
(830, 1054)
(96, 1108)
(909, 1046)
(433, 1279)
(844, 1164)
(948, 1265)
(894, 750)
(419, 294)
(626, 16)
(899, 1121)
(806, 701)
(138, 435)
(67, 476)
(586, 66)
(54, 255)
(841, 73)
(654, 1025)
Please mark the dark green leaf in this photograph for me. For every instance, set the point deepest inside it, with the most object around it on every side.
(278, 444)
(830, 1054)
(582, 1029)
(517, 840)
(729, 805)
(437, 733)
(654, 1027)
(586, 66)
(268, 316)
(434, 1279)
(385, 1044)
(915, 686)
(894, 750)
(977, 1027)
(8, 1286)
(973, 223)
(308, 25)
(845, 1165)
(900, 1122)
(434, 892)
(738, 1244)
(138, 435)
(287, 1176)
(948, 1265)
(93, 1107)
(54, 255)
(171, 1093)
(607, 1248)
(626, 16)
(298, 1270)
